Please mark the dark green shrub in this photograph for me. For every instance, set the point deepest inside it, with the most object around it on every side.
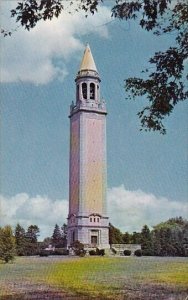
(127, 252)
(60, 251)
(102, 252)
(66, 252)
(147, 252)
(82, 253)
(78, 248)
(97, 251)
(44, 253)
(138, 252)
(57, 252)
(77, 245)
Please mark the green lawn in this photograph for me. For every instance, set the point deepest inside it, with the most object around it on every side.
(97, 277)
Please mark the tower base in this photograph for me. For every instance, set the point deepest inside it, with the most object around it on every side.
(90, 235)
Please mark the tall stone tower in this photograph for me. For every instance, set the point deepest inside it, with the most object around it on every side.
(87, 219)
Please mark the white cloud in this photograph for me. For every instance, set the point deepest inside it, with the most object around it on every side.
(130, 210)
(38, 210)
(40, 56)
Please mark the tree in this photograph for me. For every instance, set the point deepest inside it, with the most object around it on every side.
(115, 235)
(46, 242)
(126, 238)
(164, 86)
(135, 238)
(57, 237)
(31, 240)
(167, 244)
(20, 240)
(170, 237)
(32, 233)
(185, 239)
(156, 243)
(146, 243)
(7, 244)
(64, 234)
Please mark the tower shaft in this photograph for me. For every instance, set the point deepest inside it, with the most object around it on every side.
(87, 220)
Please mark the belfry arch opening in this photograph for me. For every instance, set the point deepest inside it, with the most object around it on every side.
(92, 91)
(84, 90)
(77, 92)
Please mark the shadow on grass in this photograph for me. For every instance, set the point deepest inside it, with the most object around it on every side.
(36, 295)
(142, 293)
(48, 295)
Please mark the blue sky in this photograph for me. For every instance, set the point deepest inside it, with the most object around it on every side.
(147, 172)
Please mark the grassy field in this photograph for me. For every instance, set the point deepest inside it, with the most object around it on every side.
(120, 278)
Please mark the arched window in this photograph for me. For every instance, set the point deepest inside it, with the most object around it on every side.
(92, 91)
(84, 90)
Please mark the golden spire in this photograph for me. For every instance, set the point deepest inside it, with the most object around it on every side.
(87, 60)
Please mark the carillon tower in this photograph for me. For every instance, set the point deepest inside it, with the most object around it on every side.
(87, 219)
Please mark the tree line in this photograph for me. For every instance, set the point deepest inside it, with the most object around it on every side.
(169, 238)
(23, 242)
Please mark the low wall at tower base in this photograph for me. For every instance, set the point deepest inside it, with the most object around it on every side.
(101, 246)
(120, 248)
(109, 250)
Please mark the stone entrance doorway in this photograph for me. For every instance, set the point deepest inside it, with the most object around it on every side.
(94, 234)
(94, 240)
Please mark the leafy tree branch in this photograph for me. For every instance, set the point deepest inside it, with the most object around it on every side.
(166, 85)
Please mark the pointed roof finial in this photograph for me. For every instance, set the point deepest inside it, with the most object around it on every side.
(88, 62)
